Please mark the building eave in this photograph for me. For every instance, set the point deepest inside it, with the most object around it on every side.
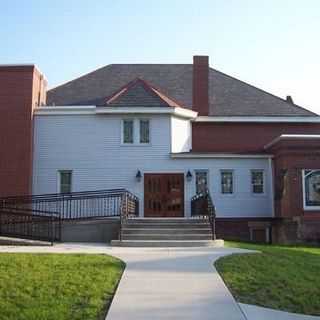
(292, 137)
(262, 119)
(84, 110)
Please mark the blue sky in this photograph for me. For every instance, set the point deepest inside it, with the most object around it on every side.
(273, 44)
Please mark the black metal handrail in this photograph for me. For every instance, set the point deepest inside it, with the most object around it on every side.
(40, 225)
(130, 208)
(69, 206)
(202, 206)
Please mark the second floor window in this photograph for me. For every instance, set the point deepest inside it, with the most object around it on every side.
(128, 131)
(144, 131)
(135, 131)
(226, 181)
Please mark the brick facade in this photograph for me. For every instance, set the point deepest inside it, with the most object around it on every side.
(21, 89)
(243, 137)
(200, 83)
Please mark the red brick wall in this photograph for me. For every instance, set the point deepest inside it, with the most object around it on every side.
(242, 137)
(19, 92)
(294, 161)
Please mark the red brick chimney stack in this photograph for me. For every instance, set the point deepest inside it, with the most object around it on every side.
(22, 88)
(201, 85)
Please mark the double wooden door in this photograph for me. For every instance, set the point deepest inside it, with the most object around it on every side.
(164, 195)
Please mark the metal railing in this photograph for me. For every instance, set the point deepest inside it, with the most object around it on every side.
(129, 209)
(20, 223)
(202, 206)
(54, 208)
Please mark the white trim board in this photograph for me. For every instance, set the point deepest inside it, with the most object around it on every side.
(292, 137)
(219, 155)
(265, 119)
(71, 110)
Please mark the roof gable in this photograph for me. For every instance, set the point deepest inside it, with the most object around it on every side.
(227, 96)
(140, 93)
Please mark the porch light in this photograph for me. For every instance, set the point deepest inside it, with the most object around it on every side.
(189, 176)
(138, 175)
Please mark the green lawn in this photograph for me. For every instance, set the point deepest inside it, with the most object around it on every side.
(57, 286)
(281, 277)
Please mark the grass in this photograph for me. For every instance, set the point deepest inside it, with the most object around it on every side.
(57, 286)
(280, 277)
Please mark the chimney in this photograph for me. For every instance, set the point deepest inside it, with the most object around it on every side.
(200, 94)
(289, 99)
(22, 89)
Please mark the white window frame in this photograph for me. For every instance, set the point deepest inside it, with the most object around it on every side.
(136, 132)
(263, 184)
(59, 179)
(139, 137)
(195, 178)
(233, 182)
(122, 131)
(305, 206)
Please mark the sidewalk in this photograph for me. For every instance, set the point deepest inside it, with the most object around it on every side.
(163, 283)
(170, 283)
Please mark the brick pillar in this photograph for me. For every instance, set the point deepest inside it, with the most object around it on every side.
(201, 85)
(22, 88)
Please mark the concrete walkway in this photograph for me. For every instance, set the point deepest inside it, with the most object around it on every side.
(163, 283)
(170, 283)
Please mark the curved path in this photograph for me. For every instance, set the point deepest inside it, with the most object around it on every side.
(163, 283)
(170, 283)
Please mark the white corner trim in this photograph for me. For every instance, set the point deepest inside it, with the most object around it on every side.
(265, 119)
(71, 110)
(185, 113)
(218, 155)
(292, 137)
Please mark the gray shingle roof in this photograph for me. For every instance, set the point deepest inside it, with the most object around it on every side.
(227, 96)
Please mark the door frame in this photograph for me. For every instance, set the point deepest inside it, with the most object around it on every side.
(183, 191)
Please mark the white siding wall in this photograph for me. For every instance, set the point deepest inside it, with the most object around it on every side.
(180, 135)
(90, 145)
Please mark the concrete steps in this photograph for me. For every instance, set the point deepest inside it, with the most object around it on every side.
(178, 231)
(164, 244)
(166, 232)
(166, 237)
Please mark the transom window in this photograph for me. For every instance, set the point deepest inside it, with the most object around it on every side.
(201, 180)
(257, 181)
(226, 181)
(311, 188)
(65, 181)
(135, 131)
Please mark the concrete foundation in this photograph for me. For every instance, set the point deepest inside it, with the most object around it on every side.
(99, 230)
